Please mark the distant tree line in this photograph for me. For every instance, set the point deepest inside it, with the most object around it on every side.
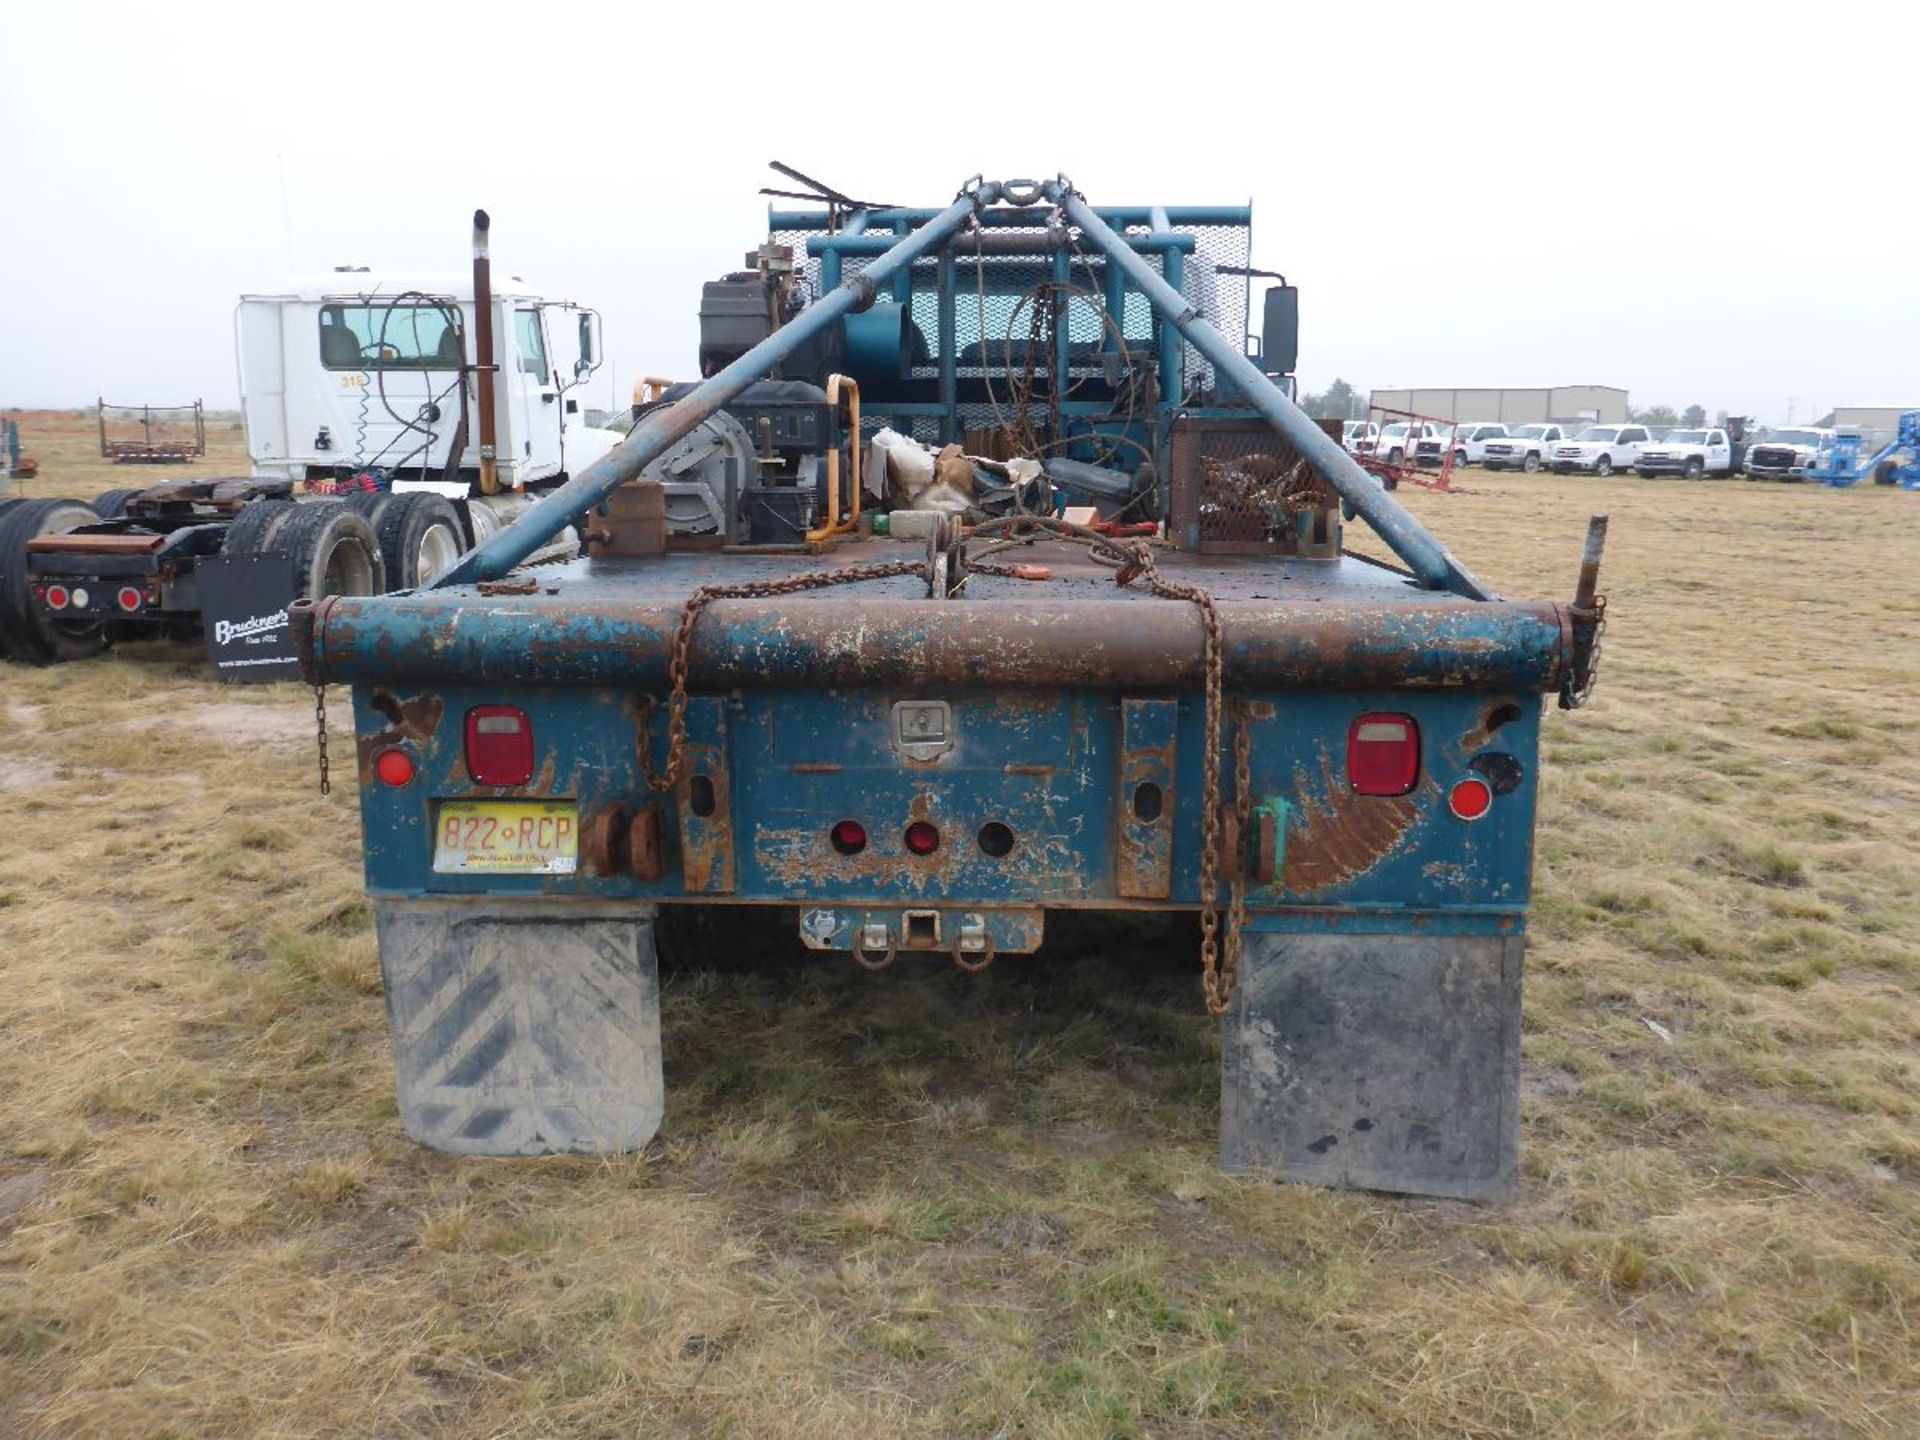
(1339, 401)
(1693, 417)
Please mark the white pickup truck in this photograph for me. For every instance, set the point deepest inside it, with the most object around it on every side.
(1601, 449)
(1691, 453)
(1785, 454)
(1468, 441)
(1526, 447)
(1358, 436)
(1397, 441)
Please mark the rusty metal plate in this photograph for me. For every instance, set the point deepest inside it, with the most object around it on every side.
(95, 544)
(704, 798)
(1143, 858)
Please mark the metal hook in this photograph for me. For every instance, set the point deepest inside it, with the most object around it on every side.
(974, 967)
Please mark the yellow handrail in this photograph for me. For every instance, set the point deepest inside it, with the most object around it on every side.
(835, 526)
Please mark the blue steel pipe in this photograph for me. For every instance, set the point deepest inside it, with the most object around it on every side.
(1032, 216)
(992, 245)
(1431, 561)
(663, 427)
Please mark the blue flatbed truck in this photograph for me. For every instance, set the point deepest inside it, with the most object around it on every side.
(920, 747)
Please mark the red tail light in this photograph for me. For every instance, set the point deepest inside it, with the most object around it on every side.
(57, 596)
(1471, 798)
(922, 838)
(1383, 754)
(394, 767)
(849, 837)
(499, 745)
(129, 598)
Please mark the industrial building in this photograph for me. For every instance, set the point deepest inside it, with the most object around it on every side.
(1564, 404)
(1865, 419)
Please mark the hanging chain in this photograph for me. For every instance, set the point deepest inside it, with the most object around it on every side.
(320, 734)
(1222, 992)
(1589, 629)
(683, 640)
(1219, 954)
(1134, 559)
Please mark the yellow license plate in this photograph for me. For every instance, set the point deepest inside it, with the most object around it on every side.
(516, 837)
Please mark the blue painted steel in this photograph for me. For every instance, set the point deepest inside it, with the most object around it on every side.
(650, 438)
(1173, 355)
(1840, 464)
(1406, 536)
(946, 342)
(1046, 765)
(868, 244)
(1118, 215)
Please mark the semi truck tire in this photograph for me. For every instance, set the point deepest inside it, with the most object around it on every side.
(523, 1028)
(333, 550)
(253, 529)
(370, 503)
(420, 538)
(26, 634)
(113, 504)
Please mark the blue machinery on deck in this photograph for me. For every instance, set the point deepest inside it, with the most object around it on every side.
(1842, 463)
(933, 236)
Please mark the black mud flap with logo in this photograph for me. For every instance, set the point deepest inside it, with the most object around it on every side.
(1376, 1062)
(244, 600)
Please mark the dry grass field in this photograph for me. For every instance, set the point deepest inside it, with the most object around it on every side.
(922, 1204)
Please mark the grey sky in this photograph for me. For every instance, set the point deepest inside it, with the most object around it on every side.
(1466, 194)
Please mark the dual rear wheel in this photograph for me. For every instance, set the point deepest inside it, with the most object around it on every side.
(27, 634)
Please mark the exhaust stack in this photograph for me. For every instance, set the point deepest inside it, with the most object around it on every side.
(484, 367)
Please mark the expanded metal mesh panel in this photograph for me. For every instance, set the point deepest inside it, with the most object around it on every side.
(1238, 487)
(1222, 300)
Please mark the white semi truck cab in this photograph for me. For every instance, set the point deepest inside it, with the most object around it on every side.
(360, 371)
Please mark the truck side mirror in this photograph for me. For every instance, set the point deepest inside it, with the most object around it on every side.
(587, 357)
(1280, 331)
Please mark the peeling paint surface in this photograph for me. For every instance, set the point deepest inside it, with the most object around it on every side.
(786, 765)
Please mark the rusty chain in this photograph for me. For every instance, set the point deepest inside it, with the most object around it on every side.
(1229, 976)
(1576, 687)
(320, 735)
(1219, 954)
(683, 639)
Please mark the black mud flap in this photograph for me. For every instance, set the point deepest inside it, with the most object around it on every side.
(527, 1028)
(1378, 1062)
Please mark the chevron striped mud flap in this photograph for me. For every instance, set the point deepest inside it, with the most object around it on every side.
(1378, 1062)
(523, 1028)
